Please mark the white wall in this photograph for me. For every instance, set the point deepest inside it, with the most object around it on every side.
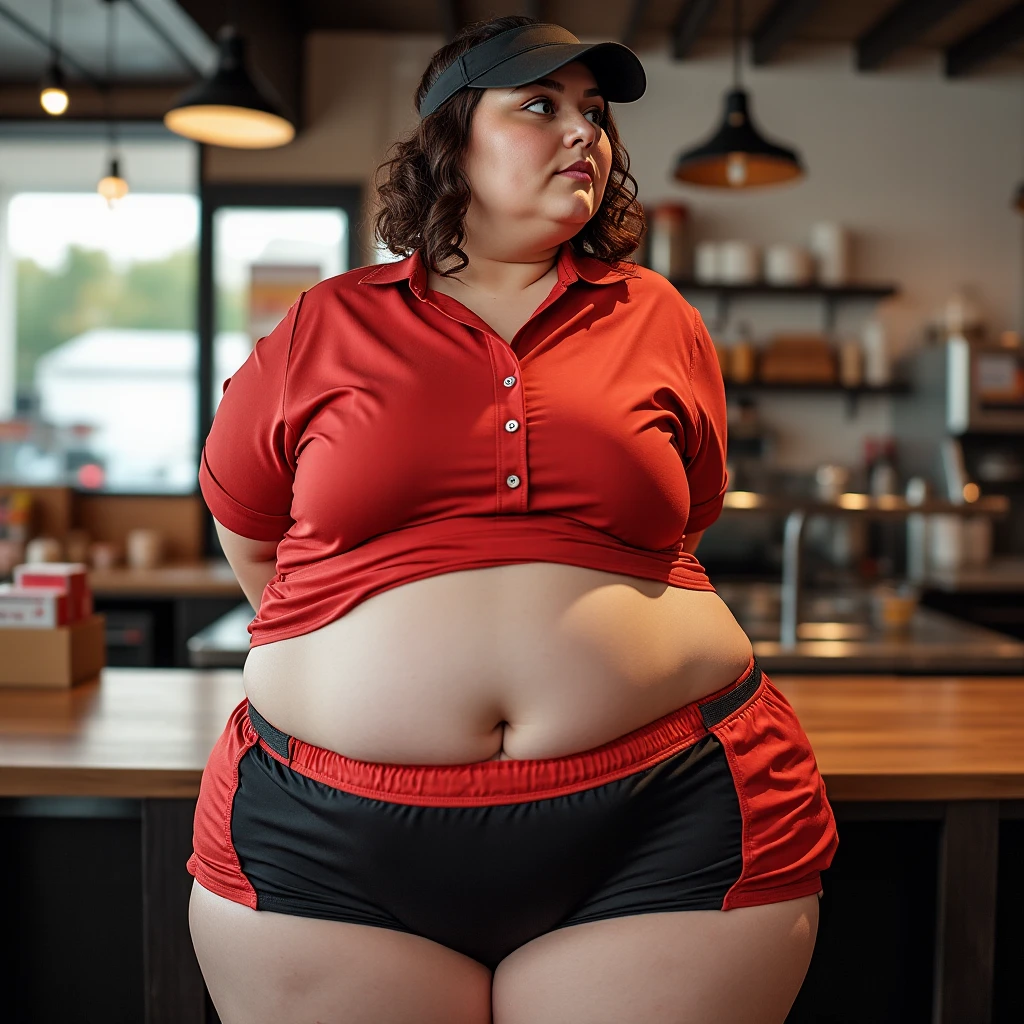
(920, 168)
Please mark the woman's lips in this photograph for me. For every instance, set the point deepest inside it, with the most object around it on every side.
(579, 175)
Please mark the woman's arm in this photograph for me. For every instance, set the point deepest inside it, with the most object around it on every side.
(254, 562)
(691, 540)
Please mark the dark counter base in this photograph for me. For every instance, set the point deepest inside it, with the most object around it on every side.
(103, 934)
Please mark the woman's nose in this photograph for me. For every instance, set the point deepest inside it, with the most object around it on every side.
(582, 128)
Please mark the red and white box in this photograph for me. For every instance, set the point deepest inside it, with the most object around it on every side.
(69, 578)
(33, 607)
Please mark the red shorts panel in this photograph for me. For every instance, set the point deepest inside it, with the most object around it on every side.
(789, 831)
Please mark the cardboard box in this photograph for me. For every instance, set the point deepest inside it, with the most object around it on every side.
(55, 658)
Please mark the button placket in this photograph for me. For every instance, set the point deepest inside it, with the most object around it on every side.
(511, 433)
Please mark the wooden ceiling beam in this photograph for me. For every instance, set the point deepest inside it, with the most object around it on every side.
(778, 26)
(689, 23)
(637, 12)
(901, 27)
(989, 41)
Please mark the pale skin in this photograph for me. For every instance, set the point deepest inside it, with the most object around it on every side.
(744, 966)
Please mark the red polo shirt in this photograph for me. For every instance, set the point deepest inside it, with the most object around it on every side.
(383, 433)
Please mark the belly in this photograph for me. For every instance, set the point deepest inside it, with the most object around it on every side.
(518, 661)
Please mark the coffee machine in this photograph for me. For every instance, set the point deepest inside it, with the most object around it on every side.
(961, 426)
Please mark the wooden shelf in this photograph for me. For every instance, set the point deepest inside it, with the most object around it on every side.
(853, 291)
(895, 388)
(832, 297)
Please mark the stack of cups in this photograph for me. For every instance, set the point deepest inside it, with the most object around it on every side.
(830, 244)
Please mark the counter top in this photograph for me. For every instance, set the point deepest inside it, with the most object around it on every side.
(1000, 575)
(212, 578)
(148, 732)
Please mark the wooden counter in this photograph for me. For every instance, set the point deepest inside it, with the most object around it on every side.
(949, 749)
(212, 578)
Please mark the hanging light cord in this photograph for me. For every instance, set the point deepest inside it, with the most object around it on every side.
(54, 21)
(108, 96)
(737, 17)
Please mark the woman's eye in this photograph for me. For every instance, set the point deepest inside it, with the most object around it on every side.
(596, 114)
(534, 103)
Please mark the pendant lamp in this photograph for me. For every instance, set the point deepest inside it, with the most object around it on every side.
(112, 186)
(737, 155)
(231, 108)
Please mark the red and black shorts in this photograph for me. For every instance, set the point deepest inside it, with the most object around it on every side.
(717, 805)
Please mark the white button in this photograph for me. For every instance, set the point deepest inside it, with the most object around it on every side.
(512, 426)
(509, 382)
(512, 480)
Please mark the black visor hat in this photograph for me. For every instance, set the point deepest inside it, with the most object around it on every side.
(521, 55)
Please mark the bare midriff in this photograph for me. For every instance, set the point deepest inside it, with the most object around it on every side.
(520, 661)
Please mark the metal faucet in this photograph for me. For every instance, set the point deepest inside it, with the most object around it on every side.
(790, 610)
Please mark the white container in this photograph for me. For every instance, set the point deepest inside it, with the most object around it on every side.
(144, 548)
(830, 243)
(739, 263)
(877, 365)
(788, 265)
(44, 549)
(669, 243)
(705, 262)
(946, 547)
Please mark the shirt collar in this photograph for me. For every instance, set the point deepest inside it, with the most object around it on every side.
(571, 267)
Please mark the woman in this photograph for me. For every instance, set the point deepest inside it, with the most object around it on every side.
(505, 755)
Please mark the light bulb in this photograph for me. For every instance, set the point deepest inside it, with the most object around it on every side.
(736, 169)
(113, 187)
(53, 100)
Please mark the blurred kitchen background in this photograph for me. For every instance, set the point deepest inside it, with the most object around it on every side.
(860, 269)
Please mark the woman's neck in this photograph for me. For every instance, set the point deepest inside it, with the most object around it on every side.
(496, 273)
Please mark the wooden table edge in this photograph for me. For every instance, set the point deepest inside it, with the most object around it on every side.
(29, 781)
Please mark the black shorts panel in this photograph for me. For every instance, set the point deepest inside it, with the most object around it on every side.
(484, 880)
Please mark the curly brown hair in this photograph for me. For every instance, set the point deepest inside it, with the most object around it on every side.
(424, 194)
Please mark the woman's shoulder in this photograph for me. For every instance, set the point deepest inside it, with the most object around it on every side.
(647, 285)
(348, 283)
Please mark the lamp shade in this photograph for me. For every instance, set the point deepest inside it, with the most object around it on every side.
(231, 108)
(737, 155)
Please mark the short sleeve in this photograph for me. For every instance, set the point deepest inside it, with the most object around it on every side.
(248, 461)
(706, 440)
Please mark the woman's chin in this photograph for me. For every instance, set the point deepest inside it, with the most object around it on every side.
(578, 212)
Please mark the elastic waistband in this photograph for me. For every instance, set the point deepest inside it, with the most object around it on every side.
(512, 781)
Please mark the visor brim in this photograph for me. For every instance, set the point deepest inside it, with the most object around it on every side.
(619, 73)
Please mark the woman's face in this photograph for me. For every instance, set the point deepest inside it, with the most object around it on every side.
(520, 141)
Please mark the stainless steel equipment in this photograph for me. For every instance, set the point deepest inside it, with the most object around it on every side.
(961, 426)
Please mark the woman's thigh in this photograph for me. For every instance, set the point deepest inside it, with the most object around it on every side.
(278, 969)
(742, 966)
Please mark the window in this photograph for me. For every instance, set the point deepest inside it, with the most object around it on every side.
(98, 339)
